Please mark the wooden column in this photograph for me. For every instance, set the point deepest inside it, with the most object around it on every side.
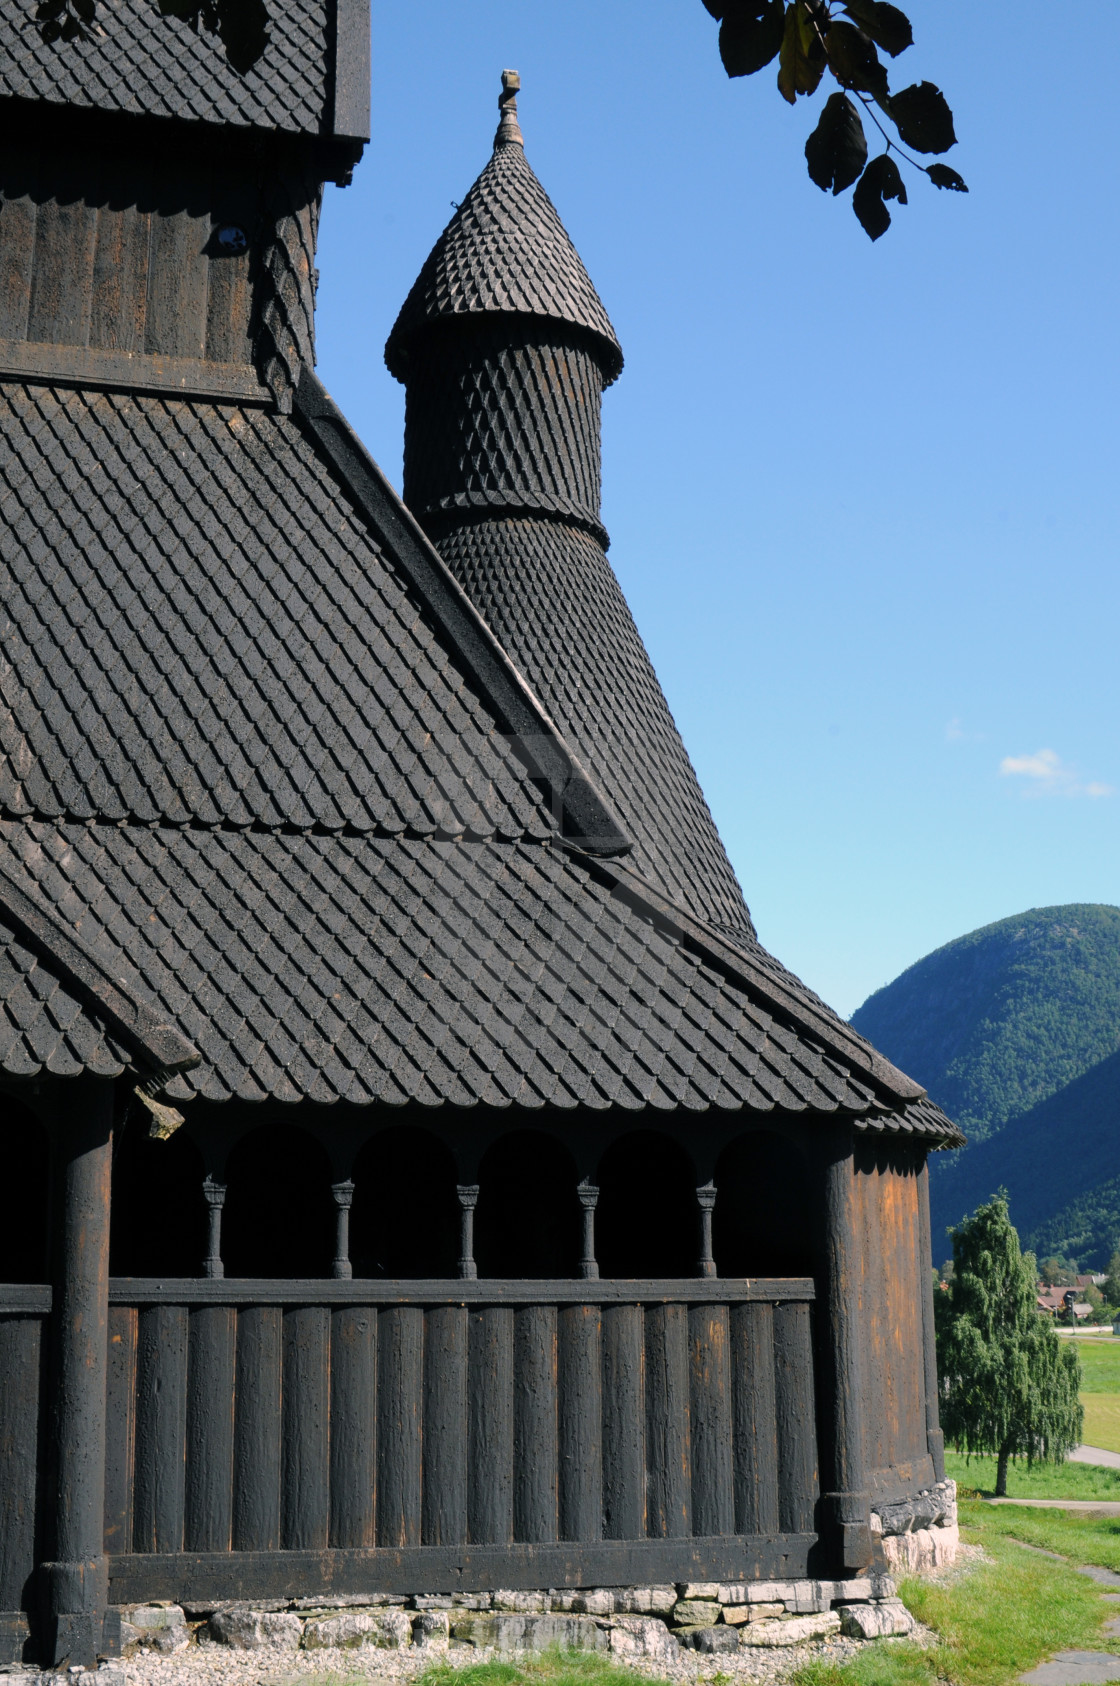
(76, 1581)
(588, 1199)
(706, 1200)
(848, 1498)
(342, 1270)
(935, 1440)
(468, 1200)
(215, 1195)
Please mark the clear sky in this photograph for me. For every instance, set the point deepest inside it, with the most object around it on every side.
(862, 499)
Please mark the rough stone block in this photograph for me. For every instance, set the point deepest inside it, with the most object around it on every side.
(642, 1636)
(922, 1550)
(389, 1630)
(522, 1603)
(711, 1638)
(162, 1627)
(583, 1601)
(107, 1675)
(431, 1629)
(758, 1592)
(351, 1601)
(248, 1630)
(434, 1601)
(516, 1632)
(470, 1601)
(792, 1632)
(698, 1589)
(884, 1620)
(739, 1614)
(644, 1600)
(696, 1612)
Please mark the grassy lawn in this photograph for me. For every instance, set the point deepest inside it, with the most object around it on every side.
(1102, 1420)
(1044, 1481)
(552, 1668)
(1100, 1363)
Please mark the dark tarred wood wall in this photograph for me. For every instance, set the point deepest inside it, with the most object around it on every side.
(889, 1194)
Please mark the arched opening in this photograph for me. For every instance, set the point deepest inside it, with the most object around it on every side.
(24, 1234)
(157, 1224)
(528, 1217)
(647, 1223)
(279, 1217)
(405, 1218)
(762, 1223)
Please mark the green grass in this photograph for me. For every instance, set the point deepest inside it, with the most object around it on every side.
(550, 1668)
(995, 1620)
(1100, 1364)
(1082, 1538)
(1044, 1481)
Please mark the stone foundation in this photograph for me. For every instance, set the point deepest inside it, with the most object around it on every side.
(653, 1622)
(919, 1534)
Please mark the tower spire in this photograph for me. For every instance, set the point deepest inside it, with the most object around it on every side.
(509, 129)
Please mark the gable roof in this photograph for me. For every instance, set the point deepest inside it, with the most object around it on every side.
(312, 78)
(505, 250)
(178, 570)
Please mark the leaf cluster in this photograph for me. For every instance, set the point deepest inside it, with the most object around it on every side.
(240, 25)
(1009, 1384)
(809, 38)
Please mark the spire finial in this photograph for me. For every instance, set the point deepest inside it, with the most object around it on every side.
(509, 129)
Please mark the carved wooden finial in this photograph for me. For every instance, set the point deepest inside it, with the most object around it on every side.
(509, 129)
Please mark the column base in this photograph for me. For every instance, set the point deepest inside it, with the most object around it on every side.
(852, 1541)
(935, 1445)
(79, 1627)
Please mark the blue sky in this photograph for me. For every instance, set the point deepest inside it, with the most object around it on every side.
(862, 498)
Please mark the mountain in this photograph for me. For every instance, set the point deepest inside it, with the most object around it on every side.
(1015, 1031)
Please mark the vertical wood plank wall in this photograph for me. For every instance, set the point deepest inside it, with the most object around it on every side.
(249, 1427)
(894, 1413)
(21, 1402)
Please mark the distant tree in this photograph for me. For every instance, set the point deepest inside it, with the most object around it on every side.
(1057, 1272)
(240, 25)
(808, 38)
(1111, 1285)
(1009, 1384)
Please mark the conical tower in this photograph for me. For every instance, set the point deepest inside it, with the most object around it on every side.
(505, 349)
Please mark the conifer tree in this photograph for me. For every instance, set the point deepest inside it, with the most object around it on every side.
(1009, 1383)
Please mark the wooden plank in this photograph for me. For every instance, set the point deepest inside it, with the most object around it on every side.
(229, 299)
(713, 1500)
(444, 1520)
(624, 1508)
(161, 1428)
(20, 1364)
(62, 279)
(120, 1428)
(178, 276)
(535, 1424)
(754, 1419)
(257, 1429)
(295, 1574)
(305, 1471)
(17, 259)
(122, 253)
(490, 1417)
(796, 1415)
(211, 1370)
(353, 1437)
(400, 1394)
(668, 1450)
(197, 1290)
(580, 1423)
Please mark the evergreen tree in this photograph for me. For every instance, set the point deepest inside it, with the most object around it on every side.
(1009, 1384)
(1111, 1288)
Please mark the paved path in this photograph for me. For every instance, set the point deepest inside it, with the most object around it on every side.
(1102, 1507)
(1095, 1455)
(1082, 1668)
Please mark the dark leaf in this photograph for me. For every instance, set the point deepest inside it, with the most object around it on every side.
(50, 31)
(243, 29)
(836, 151)
(185, 9)
(923, 118)
(48, 10)
(887, 26)
(715, 7)
(802, 57)
(750, 35)
(72, 29)
(86, 10)
(880, 181)
(854, 62)
(942, 176)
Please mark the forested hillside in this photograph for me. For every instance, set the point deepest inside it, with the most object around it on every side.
(1015, 1031)
(996, 1021)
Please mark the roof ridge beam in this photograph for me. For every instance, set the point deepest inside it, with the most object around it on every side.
(585, 818)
